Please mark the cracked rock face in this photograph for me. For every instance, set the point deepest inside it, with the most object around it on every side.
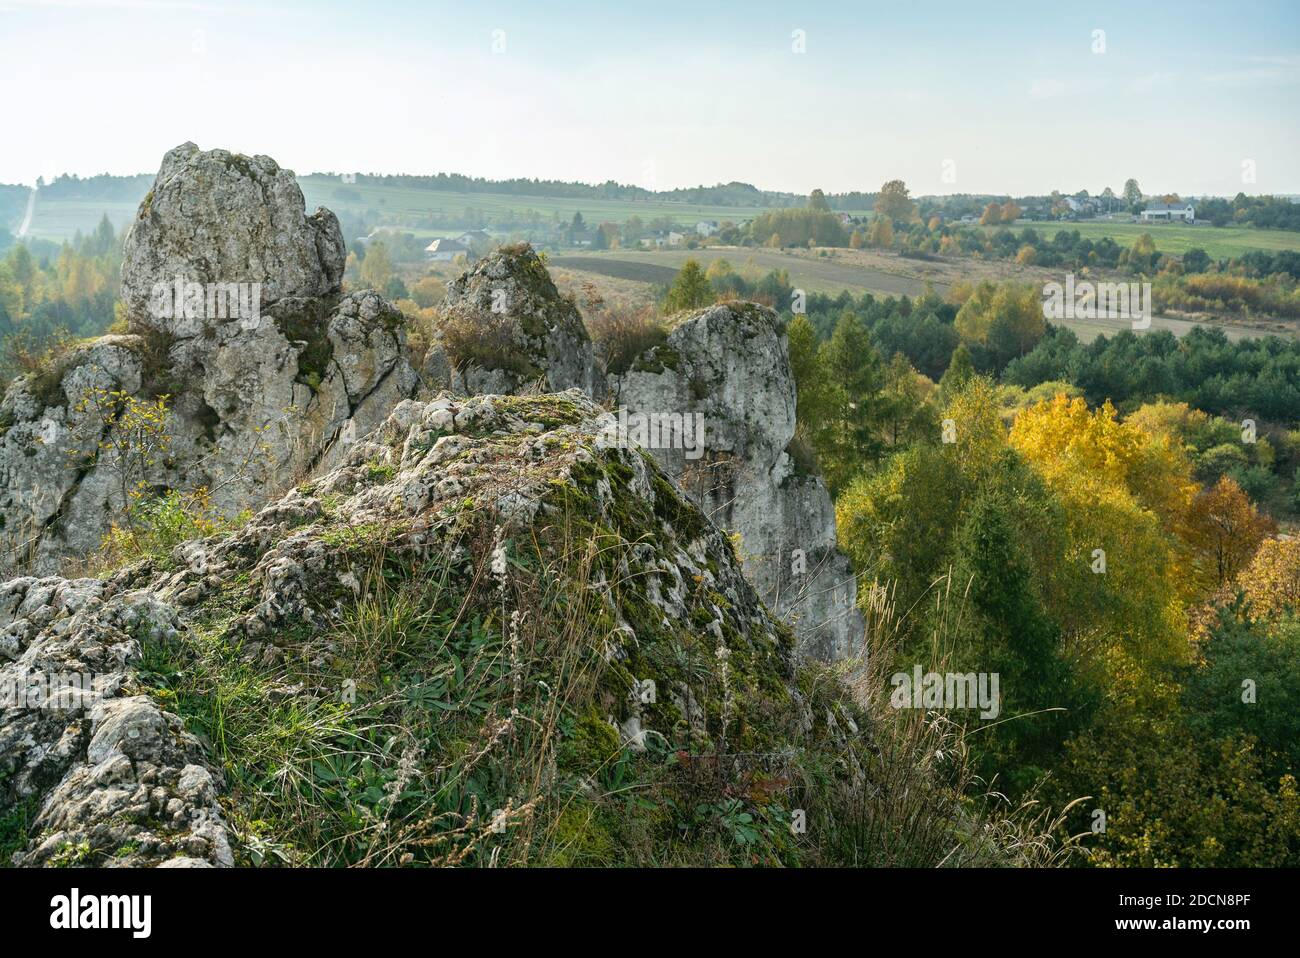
(220, 217)
(256, 400)
(730, 364)
(98, 768)
(45, 437)
(509, 295)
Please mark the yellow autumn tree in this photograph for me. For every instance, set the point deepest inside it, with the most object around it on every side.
(896, 523)
(1271, 582)
(972, 424)
(881, 233)
(377, 267)
(1226, 529)
(1169, 420)
(1126, 580)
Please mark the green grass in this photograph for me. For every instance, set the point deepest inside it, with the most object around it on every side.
(1219, 242)
(315, 779)
(15, 827)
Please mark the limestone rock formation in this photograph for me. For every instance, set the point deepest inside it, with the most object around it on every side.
(220, 217)
(505, 326)
(237, 316)
(111, 777)
(730, 365)
(51, 504)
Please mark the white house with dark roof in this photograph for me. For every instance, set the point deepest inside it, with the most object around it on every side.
(1158, 212)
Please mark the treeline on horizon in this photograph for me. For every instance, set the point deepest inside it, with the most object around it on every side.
(1261, 211)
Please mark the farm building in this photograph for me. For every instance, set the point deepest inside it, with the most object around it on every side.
(445, 250)
(1169, 211)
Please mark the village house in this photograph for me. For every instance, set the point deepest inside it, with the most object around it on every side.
(1158, 212)
(445, 250)
(661, 238)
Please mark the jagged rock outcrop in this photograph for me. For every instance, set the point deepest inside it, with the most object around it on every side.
(113, 778)
(51, 504)
(506, 327)
(97, 767)
(237, 316)
(730, 365)
(219, 217)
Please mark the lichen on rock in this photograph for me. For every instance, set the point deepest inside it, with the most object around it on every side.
(220, 217)
(256, 398)
(112, 777)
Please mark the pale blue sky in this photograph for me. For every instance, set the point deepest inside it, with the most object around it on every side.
(668, 93)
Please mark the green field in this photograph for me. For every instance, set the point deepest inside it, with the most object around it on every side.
(1220, 242)
(408, 209)
(59, 220)
(400, 201)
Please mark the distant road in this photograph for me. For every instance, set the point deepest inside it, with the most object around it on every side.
(27, 217)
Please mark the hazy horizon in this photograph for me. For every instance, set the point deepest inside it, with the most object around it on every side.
(758, 186)
(951, 100)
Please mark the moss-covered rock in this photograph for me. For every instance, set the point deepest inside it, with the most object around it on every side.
(505, 326)
(541, 627)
